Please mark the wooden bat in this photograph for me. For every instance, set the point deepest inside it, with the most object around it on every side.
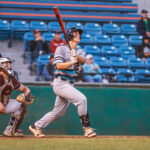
(59, 19)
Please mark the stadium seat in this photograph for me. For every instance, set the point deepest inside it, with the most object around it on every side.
(42, 60)
(28, 36)
(42, 26)
(92, 49)
(126, 52)
(53, 26)
(147, 63)
(135, 40)
(102, 39)
(48, 36)
(135, 63)
(4, 29)
(86, 39)
(128, 29)
(109, 51)
(125, 76)
(18, 29)
(102, 62)
(75, 24)
(142, 75)
(119, 40)
(111, 29)
(118, 62)
(93, 28)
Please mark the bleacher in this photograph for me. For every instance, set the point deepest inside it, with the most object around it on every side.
(109, 31)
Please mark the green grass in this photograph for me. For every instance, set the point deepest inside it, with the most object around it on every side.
(75, 144)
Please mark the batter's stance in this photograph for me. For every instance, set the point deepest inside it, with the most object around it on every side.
(67, 64)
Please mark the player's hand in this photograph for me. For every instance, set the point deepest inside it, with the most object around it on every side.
(73, 59)
(73, 53)
(2, 108)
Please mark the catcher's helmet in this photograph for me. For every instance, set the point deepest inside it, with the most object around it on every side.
(3, 60)
(69, 35)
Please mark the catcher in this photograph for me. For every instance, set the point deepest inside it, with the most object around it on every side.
(17, 107)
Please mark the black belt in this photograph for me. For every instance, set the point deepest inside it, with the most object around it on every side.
(71, 82)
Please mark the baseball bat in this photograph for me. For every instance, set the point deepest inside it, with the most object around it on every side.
(59, 19)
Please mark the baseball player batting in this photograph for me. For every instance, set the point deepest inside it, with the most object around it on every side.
(67, 63)
(11, 106)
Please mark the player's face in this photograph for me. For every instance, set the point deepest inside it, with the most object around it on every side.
(7, 65)
(76, 36)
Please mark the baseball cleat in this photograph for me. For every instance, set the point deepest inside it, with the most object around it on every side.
(88, 132)
(37, 132)
(7, 133)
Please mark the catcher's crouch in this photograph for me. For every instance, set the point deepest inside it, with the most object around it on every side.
(67, 64)
(17, 109)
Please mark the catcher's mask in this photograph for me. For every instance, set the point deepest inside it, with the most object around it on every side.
(6, 68)
(69, 33)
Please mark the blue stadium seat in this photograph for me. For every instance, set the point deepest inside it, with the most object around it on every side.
(109, 51)
(111, 28)
(147, 63)
(135, 40)
(75, 24)
(42, 26)
(4, 29)
(119, 40)
(125, 76)
(126, 52)
(42, 60)
(28, 36)
(128, 29)
(102, 62)
(102, 39)
(92, 49)
(118, 62)
(18, 29)
(93, 28)
(142, 75)
(86, 39)
(53, 26)
(48, 36)
(135, 63)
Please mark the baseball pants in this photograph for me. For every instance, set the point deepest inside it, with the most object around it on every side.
(66, 94)
(13, 106)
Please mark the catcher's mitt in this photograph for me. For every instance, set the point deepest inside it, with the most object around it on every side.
(27, 100)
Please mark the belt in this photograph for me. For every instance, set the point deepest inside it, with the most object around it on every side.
(71, 82)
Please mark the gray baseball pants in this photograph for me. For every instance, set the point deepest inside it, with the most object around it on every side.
(66, 94)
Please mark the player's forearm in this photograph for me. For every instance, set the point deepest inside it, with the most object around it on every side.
(63, 66)
(24, 89)
(2, 108)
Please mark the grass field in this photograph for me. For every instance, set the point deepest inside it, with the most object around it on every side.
(75, 143)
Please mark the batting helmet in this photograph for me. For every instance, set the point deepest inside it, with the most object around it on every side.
(69, 35)
(3, 60)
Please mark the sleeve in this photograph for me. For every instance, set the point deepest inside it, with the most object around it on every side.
(32, 45)
(59, 55)
(140, 29)
(16, 83)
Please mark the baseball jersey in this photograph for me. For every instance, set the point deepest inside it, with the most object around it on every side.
(6, 88)
(62, 54)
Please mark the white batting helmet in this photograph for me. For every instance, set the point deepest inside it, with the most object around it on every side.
(3, 60)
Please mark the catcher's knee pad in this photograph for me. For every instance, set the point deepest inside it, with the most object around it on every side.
(16, 119)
